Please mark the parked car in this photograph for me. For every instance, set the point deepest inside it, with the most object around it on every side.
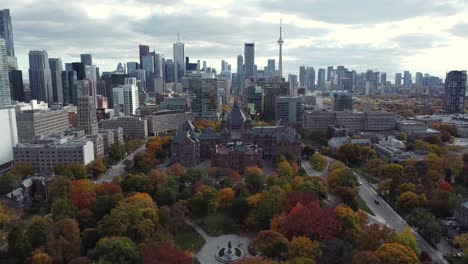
(376, 202)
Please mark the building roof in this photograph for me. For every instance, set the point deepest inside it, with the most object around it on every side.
(237, 116)
(208, 134)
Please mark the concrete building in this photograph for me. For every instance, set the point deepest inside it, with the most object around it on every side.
(33, 123)
(98, 142)
(271, 89)
(455, 89)
(288, 109)
(354, 121)
(9, 136)
(133, 127)
(40, 77)
(179, 103)
(86, 118)
(44, 155)
(342, 102)
(117, 134)
(209, 99)
(125, 97)
(163, 122)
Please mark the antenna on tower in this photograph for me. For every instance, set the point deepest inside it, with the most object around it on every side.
(178, 37)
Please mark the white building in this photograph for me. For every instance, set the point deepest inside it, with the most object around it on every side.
(126, 97)
(9, 135)
(5, 97)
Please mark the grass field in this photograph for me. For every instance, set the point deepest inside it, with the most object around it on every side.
(188, 239)
(363, 206)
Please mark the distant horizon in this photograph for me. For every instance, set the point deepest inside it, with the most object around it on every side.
(418, 36)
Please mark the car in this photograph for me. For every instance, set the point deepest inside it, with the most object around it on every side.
(359, 182)
(376, 202)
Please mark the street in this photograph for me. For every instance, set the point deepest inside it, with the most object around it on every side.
(119, 168)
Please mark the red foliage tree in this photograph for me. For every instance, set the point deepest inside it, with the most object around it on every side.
(311, 221)
(165, 253)
(302, 197)
(445, 186)
(82, 194)
(108, 188)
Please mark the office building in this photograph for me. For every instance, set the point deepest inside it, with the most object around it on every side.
(398, 79)
(9, 135)
(407, 79)
(163, 122)
(179, 61)
(35, 122)
(419, 79)
(40, 76)
(330, 71)
(125, 97)
(240, 72)
(179, 103)
(383, 79)
(91, 72)
(302, 76)
(342, 102)
(271, 89)
(209, 99)
(354, 121)
(292, 79)
(86, 59)
(143, 51)
(70, 87)
(310, 79)
(132, 67)
(86, 116)
(5, 93)
(80, 70)
(16, 85)
(46, 154)
(255, 99)
(6, 32)
(56, 69)
(321, 79)
(132, 127)
(288, 109)
(249, 56)
(455, 89)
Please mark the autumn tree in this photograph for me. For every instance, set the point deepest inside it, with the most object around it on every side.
(406, 238)
(82, 194)
(165, 253)
(284, 169)
(18, 243)
(462, 242)
(254, 178)
(373, 236)
(270, 244)
(204, 201)
(176, 170)
(350, 223)
(319, 162)
(225, 197)
(409, 200)
(96, 168)
(116, 250)
(394, 253)
(76, 171)
(366, 257)
(63, 240)
(302, 247)
(157, 181)
(271, 203)
(61, 209)
(40, 258)
(348, 153)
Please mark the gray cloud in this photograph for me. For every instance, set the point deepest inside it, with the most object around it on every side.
(419, 41)
(362, 11)
(460, 29)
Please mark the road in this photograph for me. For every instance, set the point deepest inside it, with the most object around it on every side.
(119, 168)
(384, 214)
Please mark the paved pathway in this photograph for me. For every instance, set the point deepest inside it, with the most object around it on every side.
(119, 168)
(206, 255)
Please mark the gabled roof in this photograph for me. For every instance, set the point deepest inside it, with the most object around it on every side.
(237, 116)
(208, 134)
(289, 134)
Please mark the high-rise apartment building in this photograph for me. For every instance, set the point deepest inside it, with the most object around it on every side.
(407, 79)
(86, 59)
(179, 61)
(249, 56)
(397, 79)
(455, 88)
(383, 79)
(5, 93)
(310, 79)
(125, 97)
(419, 79)
(302, 76)
(329, 72)
(86, 116)
(40, 77)
(56, 69)
(6, 32)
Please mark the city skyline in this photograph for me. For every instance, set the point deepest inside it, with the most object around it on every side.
(414, 36)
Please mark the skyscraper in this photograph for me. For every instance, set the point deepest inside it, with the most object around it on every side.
(6, 31)
(56, 69)
(80, 69)
(179, 60)
(397, 79)
(302, 75)
(240, 72)
(419, 79)
(5, 94)
(310, 79)
(70, 87)
(321, 79)
(271, 68)
(86, 115)
(280, 43)
(383, 79)
(455, 88)
(132, 67)
(143, 51)
(407, 79)
(329, 72)
(40, 77)
(125, 97)
(249, 56)
(16, 85)
(86, 59)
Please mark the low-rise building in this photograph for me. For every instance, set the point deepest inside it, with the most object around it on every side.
(132, 126)
(44, 155)
(185, 149)
(163, 122)
(34, 123)
(461, 212)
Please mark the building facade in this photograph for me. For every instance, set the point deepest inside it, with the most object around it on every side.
(34, 123)
(455, 88)
(40, 77)
(86, 118)
(133, 127)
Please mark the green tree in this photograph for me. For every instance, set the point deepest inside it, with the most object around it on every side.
(204, 201)
(348, 153)
(426, 223)
(116, 250)
(116, 152)
(406, 238)
(18, 243)
(136, 183)
(284, 169)
(37, 230)
(255, 178)
(7, 183)
(63, 240)
(62, 208)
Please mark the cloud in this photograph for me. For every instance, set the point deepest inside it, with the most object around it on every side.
(419, 41)
(460, 30)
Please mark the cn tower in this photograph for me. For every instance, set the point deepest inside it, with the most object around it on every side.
(280, 43)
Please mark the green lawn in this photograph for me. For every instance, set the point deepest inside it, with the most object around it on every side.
(188, 239)
(363, 206)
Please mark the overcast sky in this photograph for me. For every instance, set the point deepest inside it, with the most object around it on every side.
(387, 35)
